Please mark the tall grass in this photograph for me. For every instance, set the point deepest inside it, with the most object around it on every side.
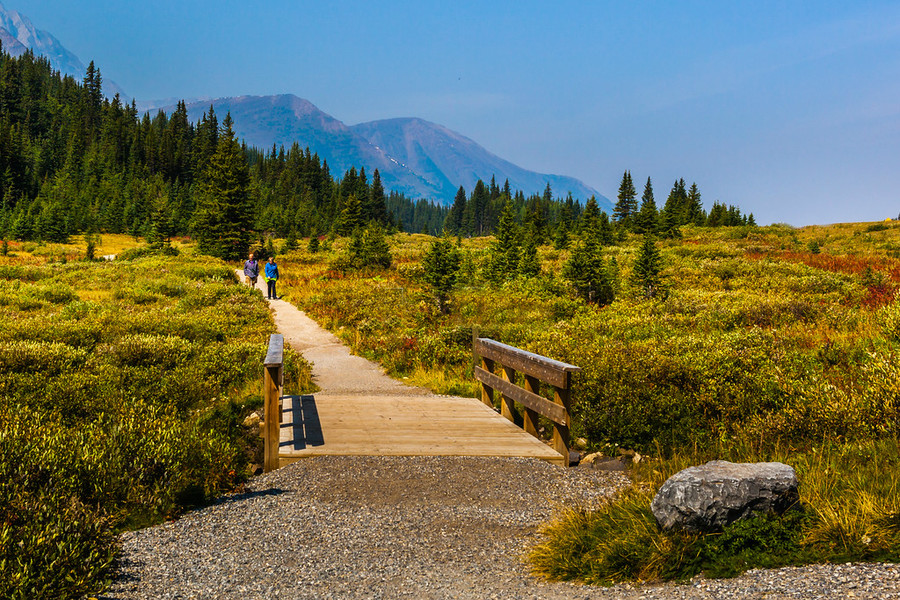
(123, 388)
(761, 350)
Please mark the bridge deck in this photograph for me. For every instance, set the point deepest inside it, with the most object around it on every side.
(363, 412)
(404, 425)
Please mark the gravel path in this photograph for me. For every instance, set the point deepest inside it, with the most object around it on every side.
(418, 527)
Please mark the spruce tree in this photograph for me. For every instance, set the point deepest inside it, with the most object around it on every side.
(377, 210)
(647, 268)
(586, 270)
(223, 221)
(454, 220)
(626, 206)
(561, 239)
(352, 216)
(694, 207)
(505, 250)
(529, 263)
(441, 264)
(646, 219)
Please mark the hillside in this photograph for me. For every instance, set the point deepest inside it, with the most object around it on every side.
(416, 158)
(448, 159)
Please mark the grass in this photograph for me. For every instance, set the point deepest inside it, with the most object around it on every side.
(848, 511)
(123, 389)
(769, 343)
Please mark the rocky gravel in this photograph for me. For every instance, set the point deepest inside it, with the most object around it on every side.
(413, 527)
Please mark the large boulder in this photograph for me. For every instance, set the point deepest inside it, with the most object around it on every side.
(711, 496)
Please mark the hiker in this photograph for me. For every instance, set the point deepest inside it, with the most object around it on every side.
(271, 277)
(251, 270)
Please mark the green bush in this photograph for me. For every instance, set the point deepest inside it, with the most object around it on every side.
(117, 412)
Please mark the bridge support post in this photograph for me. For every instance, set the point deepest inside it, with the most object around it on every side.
(273, 374)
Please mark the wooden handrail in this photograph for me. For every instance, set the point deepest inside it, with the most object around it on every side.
(535, 368)
(273, 381)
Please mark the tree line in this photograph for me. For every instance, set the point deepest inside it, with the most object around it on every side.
(73, 161)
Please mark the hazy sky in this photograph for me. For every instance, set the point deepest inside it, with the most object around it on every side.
(791, 110)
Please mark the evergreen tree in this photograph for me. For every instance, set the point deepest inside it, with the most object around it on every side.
(352, 216)
(223, 222)
(694, 207)
(368, 249)
(441, 264)
(626, 206)
(561, 239)
(529, 263)
(647, 268)
(646, 219)
(454, 220)
(377, 209)
(586, 270)
(505, 250)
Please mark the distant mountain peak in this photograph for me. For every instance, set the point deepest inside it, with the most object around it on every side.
(415, 157)
(18, 34)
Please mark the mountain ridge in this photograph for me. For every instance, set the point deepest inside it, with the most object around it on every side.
(415, 157)
(19, 34)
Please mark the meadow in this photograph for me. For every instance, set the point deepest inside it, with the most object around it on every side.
(123, 390)
(769, 343)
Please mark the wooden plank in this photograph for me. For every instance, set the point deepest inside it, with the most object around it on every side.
(561, 432)
(507, 406)
(272, 412)
(275, 355)
(530, 421)
(546, 369)
(397, 426)
(487, 393)
(555, 412)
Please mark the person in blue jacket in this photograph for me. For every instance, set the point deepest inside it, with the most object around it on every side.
(271, 277)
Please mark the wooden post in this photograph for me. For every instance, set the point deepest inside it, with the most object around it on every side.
(530, 420)
(273, 373)
(561, 432)
(507, 405)
(487, 392)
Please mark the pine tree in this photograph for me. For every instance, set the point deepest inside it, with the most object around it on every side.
(694, 207)
(454, 220)
(223, 221)
(352, 216)
(505, 250)
(377, 210)
(586, 269)
(647, 268)
(529, 263)
(441, 264)
(561, 239)
(646, 219)
(626, 207)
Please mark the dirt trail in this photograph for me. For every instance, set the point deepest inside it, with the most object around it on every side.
(335, 369)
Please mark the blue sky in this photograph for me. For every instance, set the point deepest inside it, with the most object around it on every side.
(790, 110)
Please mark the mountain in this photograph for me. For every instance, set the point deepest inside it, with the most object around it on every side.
(414, 157)
(19, 34)
(447, 159)
(262, 121)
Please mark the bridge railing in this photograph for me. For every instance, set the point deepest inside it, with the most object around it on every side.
(535, 369)
(273, 383)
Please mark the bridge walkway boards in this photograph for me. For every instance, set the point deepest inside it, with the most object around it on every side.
(360, 411)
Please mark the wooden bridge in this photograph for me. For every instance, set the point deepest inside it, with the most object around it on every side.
(362, 412)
